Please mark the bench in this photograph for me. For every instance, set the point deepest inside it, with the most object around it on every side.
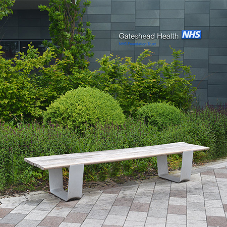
(76, 161)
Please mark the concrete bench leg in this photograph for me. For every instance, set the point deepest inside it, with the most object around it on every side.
(186, 167)
(75, 183)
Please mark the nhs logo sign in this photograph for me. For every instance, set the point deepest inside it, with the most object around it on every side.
(191, 34)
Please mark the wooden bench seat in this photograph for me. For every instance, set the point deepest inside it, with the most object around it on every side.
(75, 162)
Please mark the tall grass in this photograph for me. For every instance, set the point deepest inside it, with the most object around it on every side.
(207, 127)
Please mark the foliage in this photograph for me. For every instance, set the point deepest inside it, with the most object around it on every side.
(5, 6)
(68, 33)
(161, 115)
(134, 84)
(84, 105)
(30, 82)
(26, 140)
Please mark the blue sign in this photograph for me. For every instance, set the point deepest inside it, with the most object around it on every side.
(191, 34)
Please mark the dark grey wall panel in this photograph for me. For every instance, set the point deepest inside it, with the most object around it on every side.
(197, 20)
(197, 7)
(195, 53)
(218, 4)
(123, 7)
(217, 78)
(172, 13)
(147, 5)
(171, 24)
(206, 56)
(147, 14)
(171, 4)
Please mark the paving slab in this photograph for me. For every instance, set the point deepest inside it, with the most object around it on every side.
(200, 202)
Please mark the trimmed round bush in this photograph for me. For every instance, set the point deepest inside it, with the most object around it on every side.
(84, 105)
(160, 115)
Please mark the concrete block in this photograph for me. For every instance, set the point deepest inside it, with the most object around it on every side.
(217, 91)
(101, 34)
(215, 68)
(147, 14)
(99, 18)
(200, 43)
(171, 24)
(147, 5)
(200, 73)
(99, 10)
(147, 22)
(171, 4)
(123, 26)
(218, 60)
(147, 30)
(101, 44)
(214, 43)
(100, 26)
(123, 8)
(172, 13)
(218, 33)
(200, 84)
(218, 4)
(195, 53)
(218, 21)
(197, 7)
(197, 20)
(123, 18)
(196, 63)
(217, 78)
(220, 13)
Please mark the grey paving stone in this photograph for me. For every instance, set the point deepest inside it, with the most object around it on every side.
(82, 208)
(92, 222)
(98, 214)
(140, 207)
(196, 223)
(142, 199)
(119, 210)
(215, 212)
(37, 215)
(60, 212)
(196, 215)
(133, 224)
(73, 217)
(51, 221)
(12, 218)
(177, 209)
(157, 212)
(175, 218)
(211, 196)
(65, 224)
(177, 201)
(195, 206)
(115, 220)
(23, 209)
(216, 221)
(26, 223)
(4, 212)
(136, 216)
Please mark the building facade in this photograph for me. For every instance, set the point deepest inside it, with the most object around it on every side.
(127, 27)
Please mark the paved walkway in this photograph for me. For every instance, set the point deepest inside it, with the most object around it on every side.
(200, 202)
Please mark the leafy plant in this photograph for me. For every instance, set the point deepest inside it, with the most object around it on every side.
(161, 115)
(84, 105)
(68, 33)
(5, 8)
(135, 84)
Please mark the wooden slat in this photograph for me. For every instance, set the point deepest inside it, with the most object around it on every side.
(87, 158)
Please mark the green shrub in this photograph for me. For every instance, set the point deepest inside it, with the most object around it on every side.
(160, 115)
(135, 84)
(84, 105)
